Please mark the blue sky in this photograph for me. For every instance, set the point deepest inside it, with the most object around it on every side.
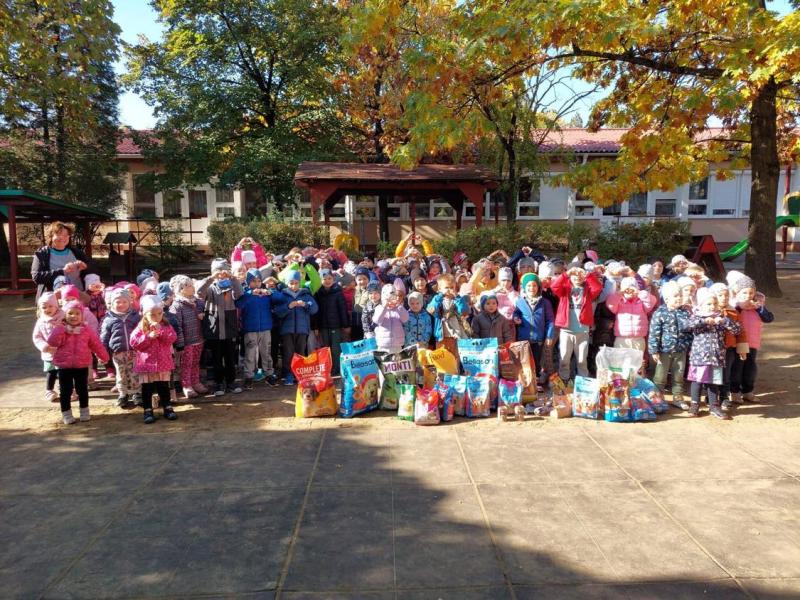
(137, 17)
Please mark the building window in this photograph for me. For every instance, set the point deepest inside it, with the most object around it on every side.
(665, 207)
(724, 212)
(698, 198)
(172, 204)
(697, 210)
(615, 210)
(583, 206)
(144, 197)
(366, 208)
(224, 212)
(422, 210)
(224, 195)
(394, 210)
(198, 204)
(529, 199)
(637, 204)
(442, 210)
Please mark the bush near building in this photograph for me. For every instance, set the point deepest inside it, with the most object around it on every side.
(275, 236)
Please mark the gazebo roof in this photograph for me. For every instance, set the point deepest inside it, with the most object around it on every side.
(30, 207)
(371, 173)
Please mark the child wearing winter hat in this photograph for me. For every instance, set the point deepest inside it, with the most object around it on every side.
(389, 318)
(736, 346)
(632, 307)
(296, 315)
(668, 342)
(115, 333)
(332, 321)
(167, 298)
(97, 306)
(419, 326)
(505, 293)
(72, 344)
(373, 301)
(489, 323)
(188, 313)
(707, 355)
(49, 316)
(753, 314)
(688, 291)
(534, 318)
(449, 311)
(152, 339)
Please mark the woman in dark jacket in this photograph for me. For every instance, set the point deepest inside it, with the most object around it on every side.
(59, 258)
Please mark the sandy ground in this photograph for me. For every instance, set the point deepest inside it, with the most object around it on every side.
(22, 407)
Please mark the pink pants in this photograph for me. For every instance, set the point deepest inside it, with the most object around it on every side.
(190, 365)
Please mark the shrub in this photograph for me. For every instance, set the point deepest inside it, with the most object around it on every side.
(635, 243)
(276, 236)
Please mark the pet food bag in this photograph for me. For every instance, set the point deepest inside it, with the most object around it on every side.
(479, 403)
(619, 361)
(436, 364)
(655, 396)
(405, 404)
(446, 406)
(456, 393)
(396, 368)
(617, 400)
(316, 395)
(586, 398)
(479, 358)
(360, 381)
(641, 408)
(516, 363)
(426, 408)
(509, 399)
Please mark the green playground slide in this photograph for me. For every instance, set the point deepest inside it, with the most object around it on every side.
(741, 247)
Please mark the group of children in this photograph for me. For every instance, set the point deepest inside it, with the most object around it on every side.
(257, 310)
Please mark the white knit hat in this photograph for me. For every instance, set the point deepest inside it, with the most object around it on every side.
(545, 270)
(645, 271)
(628, 283)
(684, 281)
(248, 256)
(149, 302)
(703, 294)
(678, 258)
(741, 283)
(179, 282)
(91, 278)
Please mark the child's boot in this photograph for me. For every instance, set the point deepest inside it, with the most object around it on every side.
(748, 397)
(248, 384)
(717, 411)
(189, 393)
(149, 417)
(67, 417)
(200, 389)
(137, 399)
(694, 409)
(85, 414)
(169, 413)
(736, 397)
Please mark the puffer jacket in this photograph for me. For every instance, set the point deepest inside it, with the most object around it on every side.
(389, 332)
(296, 320)
(668, 331)
(74, 348)
(494, 325)
(332, 313)
(418, 329)
(631, 314)
(506, 302)
(221, 321)
(367, 324)
(42, 330)
(154, 355)
(736, 341)
(708, 343)
(462, 307)
(256, 311)
(752, 320)
(190, 330)
(117, 330)
(536, 324)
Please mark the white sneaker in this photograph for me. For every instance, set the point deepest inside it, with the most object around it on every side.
(50, 396)
(85, 415)
(67, 417)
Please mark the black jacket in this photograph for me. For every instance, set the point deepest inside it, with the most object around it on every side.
(332, 313)
(43, 277)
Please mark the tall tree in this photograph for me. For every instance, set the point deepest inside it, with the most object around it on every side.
(242, 91)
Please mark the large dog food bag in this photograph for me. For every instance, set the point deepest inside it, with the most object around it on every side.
(396, 368)
(316, 395)
(360, 382)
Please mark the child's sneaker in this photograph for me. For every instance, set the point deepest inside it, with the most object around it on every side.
(726, 405)
(719, 413)
(137, 399)
(200, 389)
(235, 388)
(67, 417)
(114, 389)
(50, 396)
(289, 380)
(220, 391)
(259, 376)
(189, 393)
(679, 403)
(749, 397)
(122, 402)
(272, 380)
(736, 397)
(149, 417)
(111, 374)
(694, 409)
(248, 384)
(85, 414)
(169, 413)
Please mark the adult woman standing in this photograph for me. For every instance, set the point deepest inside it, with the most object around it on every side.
(57, 258)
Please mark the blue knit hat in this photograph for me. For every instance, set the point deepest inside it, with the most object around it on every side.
(487, 296)
(164, 291)
(293, 276)
(252, 274)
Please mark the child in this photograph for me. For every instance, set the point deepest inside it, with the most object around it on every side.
(389, 318)
(360, 299)
(332, 319)
(631, 307)
(450, 314)
(707, 355)
(419, 327)
(49, 316)
(188, 313)
(373, 301)
(736, 346)
(489, 323)
(220, 324)
(753, 314)
(118, 325)
(167, 297)
(506, 295)
(688, 292)
(256, 305)
(296, 313)
(420, 285)
(533, 316)
(152, 339)
(97, 306)
(74, 343)
(575, 316)
(669, 341)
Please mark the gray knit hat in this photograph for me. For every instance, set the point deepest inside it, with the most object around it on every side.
(741, 283)
(220, 264)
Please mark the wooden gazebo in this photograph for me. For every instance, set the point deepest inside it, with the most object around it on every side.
(22, 206)
(329, 182)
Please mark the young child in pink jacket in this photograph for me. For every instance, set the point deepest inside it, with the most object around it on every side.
(152, 339)
(72, 344)
(632, 308)
(50, 316)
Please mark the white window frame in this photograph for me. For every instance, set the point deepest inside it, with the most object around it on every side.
(189, 199)
(583, 202)
(536, 203)
(224, 206)
(435, 205)
(698, 201)
(359, 203)
(675, 213)
(420, 204)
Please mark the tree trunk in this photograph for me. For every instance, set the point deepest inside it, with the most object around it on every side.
(513, 184)
(765, 165)
(61, 158)
(383, 216)
(47, 151)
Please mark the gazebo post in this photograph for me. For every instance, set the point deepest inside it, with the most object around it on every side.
(474, 193)
(12, 246)
(413, 216)
(86, 230)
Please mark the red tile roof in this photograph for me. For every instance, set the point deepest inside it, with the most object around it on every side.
(307, 171)
(581, 140)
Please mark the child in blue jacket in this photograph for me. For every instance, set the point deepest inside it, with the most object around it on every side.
(450, 313)
(256, 305)
(533, 316)
(419, 327)
(296, 313)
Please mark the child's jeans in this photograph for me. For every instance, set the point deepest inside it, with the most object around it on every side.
(127, 381)
(293, 343)
(569, 343)
(77, 379)
(332, 338)
(713, 393)
(672, 363)
(744, 373)
(190, 365)
(257, 344)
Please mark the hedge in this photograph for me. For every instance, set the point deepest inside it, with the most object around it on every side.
(275, 236)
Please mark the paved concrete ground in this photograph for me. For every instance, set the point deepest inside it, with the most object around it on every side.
(382, 509)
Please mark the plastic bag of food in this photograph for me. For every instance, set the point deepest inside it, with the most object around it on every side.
(641, 408)
(586, 398)
(446, 407)
(457, 393)
(426, 408)
(360, 381)
(396, 368)
(479, 359)
(436, 364)
(479, 403)
(618, 400)
(655, 396)
(405, 404)
(516, 363)
(509, 400)
(620, 361)
(316, 395)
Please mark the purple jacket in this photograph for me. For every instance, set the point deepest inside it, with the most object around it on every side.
(389, 332)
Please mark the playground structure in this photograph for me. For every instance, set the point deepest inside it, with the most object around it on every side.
(791, 203)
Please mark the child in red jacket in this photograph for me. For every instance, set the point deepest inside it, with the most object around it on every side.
(152, 339)
(576, 293)
(72, 345)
